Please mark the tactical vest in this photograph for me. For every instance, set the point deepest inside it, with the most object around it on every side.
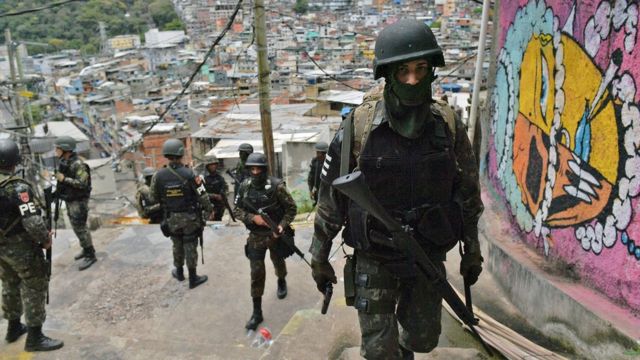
(67, 168)
(10, 223)
(412, 178)
(265, 199)
(177, 194)
(214, 183)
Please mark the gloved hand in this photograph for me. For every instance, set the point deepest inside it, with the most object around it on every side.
(322, 273)
(471, 266)
(59, 177)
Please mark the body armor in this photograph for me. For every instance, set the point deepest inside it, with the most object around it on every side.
(413, 179)
(69, 168)
(265, 199)
(177, 194)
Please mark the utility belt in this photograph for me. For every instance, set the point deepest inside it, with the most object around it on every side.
(164, 224)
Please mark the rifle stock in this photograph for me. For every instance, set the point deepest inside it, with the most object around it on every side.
(48, 199)
(354, 187)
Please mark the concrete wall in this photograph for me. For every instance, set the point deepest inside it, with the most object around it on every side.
(296, 159)
(565, 135)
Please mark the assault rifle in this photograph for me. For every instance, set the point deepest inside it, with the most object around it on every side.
(225, 201)
(354, 187)
(287, 239)
(233, 176)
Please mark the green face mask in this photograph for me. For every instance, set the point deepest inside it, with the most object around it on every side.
(411, 95)
(407, 120)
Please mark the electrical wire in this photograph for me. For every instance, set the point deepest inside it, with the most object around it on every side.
(185, 87)
(37, 9)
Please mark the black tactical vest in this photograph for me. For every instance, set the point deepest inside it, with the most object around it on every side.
(10, 203)
(214, 183)
(265, 199)
(67, 168)
(177, 192)
(409, 177)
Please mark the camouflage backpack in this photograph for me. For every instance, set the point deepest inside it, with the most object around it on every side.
(369, 114)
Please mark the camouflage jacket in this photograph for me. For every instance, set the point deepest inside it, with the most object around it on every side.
(333, 209)
(313, 179)
(22, 215)
(285, 208)
(145, 203)
(77, 179)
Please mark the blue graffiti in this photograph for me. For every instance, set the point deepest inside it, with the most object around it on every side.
(583, 136)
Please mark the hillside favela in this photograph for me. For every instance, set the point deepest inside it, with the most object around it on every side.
(320, 179)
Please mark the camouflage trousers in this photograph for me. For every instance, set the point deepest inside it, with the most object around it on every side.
(23, 271)
(78, 211)
(395, 312)
(256, 250)
(185, 247)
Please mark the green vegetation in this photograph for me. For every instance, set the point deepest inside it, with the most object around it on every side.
(303, 201)
(301, 7)
(76, 25)
(435, 25)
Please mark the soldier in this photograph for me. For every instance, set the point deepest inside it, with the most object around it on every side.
(270, 194)
(216, 187)
(184, 199)
(148, 207)
(23, 268)
(74, 187)
(418, 162)
(241, 172)
(313, 180)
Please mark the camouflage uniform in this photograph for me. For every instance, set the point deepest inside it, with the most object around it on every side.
(241, 172)
(399, 172)
(216, 185)
(313, 180)
(147, 206)
(23, 268)
(283, 210)
(183, 200)
(75, 190)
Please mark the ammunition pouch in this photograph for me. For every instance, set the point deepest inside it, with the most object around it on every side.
(369, 306)
(254, 254)
(350, 280)
(441, 226)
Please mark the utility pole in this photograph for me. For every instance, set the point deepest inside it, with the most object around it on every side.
(264, 84)
(15, 100)
(477, 81)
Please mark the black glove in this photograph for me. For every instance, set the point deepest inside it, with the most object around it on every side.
(322, 273)
(471, 266)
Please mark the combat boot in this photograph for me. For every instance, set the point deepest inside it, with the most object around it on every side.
(256, 317)
(89, 259)
(81, 254)
(282, 288)
(406, 353)
(195, 280)
(15, 329)
(37, 341)
(178, 273)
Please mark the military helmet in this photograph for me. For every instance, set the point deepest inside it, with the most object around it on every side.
(66, 143)
(9, 153)
(406, 40)
(321, 146)
(257, 159)
(211, 159)
(246, 148)
(173, 147)
(148, 171)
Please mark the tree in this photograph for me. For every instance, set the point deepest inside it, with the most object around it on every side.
(301, 7)
(176, 24)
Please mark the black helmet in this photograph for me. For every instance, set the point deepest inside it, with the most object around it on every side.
(148, 171)
(66, 143)
(246, 148)
(321, 146)
(257, 159)
(173, 147)
(211, 159)
(9, 153)
(406, 40)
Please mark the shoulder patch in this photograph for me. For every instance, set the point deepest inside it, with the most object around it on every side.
(24, 197)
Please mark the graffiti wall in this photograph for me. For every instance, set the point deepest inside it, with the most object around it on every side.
(565, 145)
